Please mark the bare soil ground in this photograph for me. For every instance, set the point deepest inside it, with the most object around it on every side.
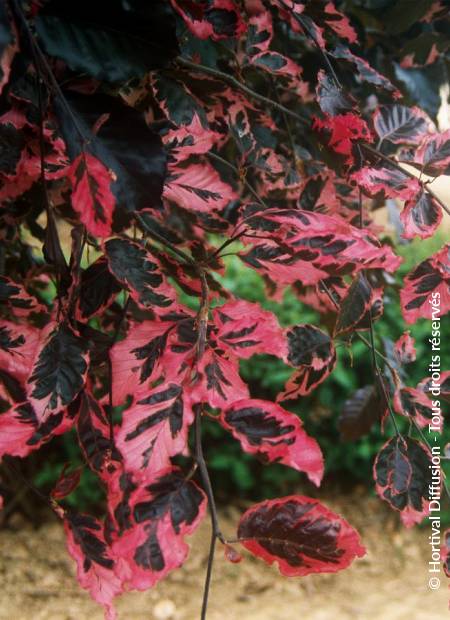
(390, 583)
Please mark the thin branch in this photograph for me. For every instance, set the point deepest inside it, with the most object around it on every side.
(200, 459)
(209, 568)
(380, 379)
(157, 237)
(374, 351)
(226, 77)
(394, 164)
(216, 533)
(250, 188)
(52, 504)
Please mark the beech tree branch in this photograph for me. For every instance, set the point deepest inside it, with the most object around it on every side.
(225, 77)
(170, 246)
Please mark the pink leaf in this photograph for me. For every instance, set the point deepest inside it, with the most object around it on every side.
(217, 381)
(434, 154)
(161, 514)
(17, 426)
(92, 197)
(415, 405)
(392, 182)
(421, 215)
(197, 187)
(338, 22)
(306, 245)
(19, 300)
(246, 329)
(150, 349)
(275, 435)
(426, 289)
(154, 428)
(404, 348)
(301, 535)
(95, 565)
(343, 130)
(18, 345)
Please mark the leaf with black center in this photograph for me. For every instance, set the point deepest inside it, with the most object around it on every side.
(137, 359)
(431, 387)
(139, 272)
(217, 380)
(331, 100)
(425, 291)
(59, 370)
(402, 472)
(309, 246)
(276, 64)
(364, 71)
(300, 534)
(155, 428)
(178, 103)
(387, 181)
(361, 302)
(93, 432)
(312, 353)
(414, 404)
(400, 124)
(433, 155)
(123, 42)
(404, 348)
(420, 216)
(245, 329)
(87, 545)
(162, 513)
(14, 294)
(274, 435)
(91, 196)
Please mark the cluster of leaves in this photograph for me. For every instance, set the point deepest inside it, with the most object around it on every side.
(144, 131)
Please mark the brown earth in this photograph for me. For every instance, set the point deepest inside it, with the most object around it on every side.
(389, 583)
